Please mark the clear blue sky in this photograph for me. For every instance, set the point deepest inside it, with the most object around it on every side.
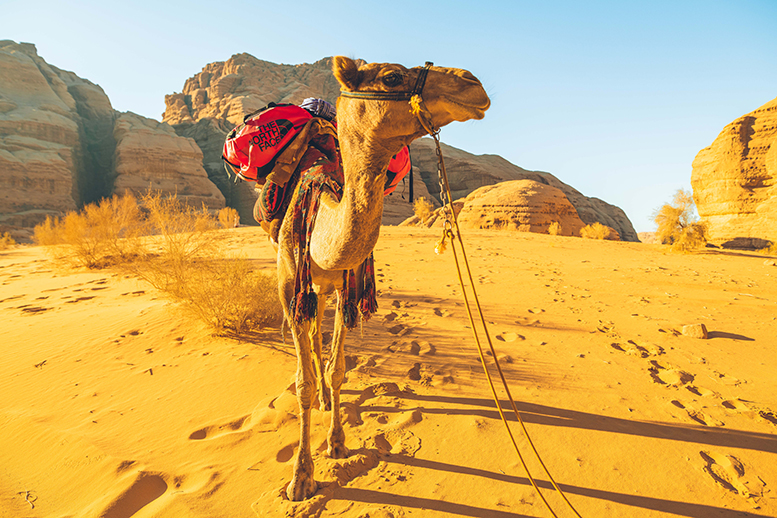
(613, 97)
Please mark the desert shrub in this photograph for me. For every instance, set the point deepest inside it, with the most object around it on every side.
(229, 296)
(6, 241)
(101, 233)
(228, 217)
(423, 209)
(678, 225)
(554, 229)
(771, 249)
(189, 267)
(595, 231)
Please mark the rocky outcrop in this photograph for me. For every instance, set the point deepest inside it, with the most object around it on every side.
(51, 147)
(58, 145)
(735, 181)
(216, 100)
(468, 172)
(151, 156)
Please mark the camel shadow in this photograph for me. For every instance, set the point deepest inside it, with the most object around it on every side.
(545, 415)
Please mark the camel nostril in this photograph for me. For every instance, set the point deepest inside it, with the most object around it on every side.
(466, 74)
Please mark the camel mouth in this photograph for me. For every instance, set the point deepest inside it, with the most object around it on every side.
(475, 111)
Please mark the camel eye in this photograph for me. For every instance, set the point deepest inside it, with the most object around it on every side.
(392, 79)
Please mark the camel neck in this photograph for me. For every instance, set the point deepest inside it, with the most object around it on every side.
(346, 231)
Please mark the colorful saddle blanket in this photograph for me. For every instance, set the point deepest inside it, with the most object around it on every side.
(320, 169)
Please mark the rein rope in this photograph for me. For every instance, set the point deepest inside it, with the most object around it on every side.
(419, 109)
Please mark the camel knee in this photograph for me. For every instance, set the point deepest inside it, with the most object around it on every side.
(306, 392)
(335, 372)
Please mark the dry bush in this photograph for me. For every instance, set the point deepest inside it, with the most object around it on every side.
(229, 217)
(423, 208)
(229, 296)
(101, 234)
(554, 229)
(678, 225)
(595, 231)
(6, 241)
(189, 267)
(771, 249)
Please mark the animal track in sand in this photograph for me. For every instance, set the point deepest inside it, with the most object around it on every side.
(509, 336)
(697, 415)
(728, 472)
(668, 375)
(751, 410)
(642, 349)
(442, 312)
(211, 432)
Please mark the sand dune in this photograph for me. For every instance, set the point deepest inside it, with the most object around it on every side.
(114, 403)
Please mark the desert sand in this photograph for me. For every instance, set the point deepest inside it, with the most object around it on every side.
(115, 403)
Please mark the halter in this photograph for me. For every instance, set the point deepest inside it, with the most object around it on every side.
(417, 106)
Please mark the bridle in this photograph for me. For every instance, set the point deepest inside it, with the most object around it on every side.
(417, 106)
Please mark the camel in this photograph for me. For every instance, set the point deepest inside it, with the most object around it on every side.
(370, 132)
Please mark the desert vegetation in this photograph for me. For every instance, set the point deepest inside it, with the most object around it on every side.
(595, 231)
(554, 229)
(678, 224)
(174, 247)
(6, 241)
(422, 208)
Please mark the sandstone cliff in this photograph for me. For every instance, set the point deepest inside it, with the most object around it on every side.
(58, 145)
(52, 143)
(735, 181)
(151, 156)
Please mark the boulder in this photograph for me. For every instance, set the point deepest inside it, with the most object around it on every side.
(735, 181)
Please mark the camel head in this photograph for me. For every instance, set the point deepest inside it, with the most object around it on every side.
(449, 94)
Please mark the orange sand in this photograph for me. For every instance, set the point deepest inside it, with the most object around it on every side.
(113, 403)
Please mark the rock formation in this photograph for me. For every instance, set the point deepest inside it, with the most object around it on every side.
(52, 142)
(58, 145)
(468, 172)
(151, 156)
(735, 181)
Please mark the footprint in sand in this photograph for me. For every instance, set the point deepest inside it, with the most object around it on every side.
(211, 432)
(729, 472)
(665, 375)
(751, 410)
(442, 312)
(509, 336)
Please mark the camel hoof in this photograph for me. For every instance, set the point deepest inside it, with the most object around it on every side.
(301, 488)
(337, 451)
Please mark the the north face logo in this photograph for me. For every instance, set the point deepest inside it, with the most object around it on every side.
(271, 134)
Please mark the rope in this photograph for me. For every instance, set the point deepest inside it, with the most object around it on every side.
(445, 192)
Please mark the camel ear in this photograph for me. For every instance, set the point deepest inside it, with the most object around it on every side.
(346, 72)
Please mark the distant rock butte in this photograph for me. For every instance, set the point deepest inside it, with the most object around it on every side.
(216, 99)
(735, 181)
(58, 143)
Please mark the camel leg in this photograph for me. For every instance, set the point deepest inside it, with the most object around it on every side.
(302, 484)
(335, 372)
(324, 402)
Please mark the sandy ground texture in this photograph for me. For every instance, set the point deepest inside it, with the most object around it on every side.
(113, 403)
